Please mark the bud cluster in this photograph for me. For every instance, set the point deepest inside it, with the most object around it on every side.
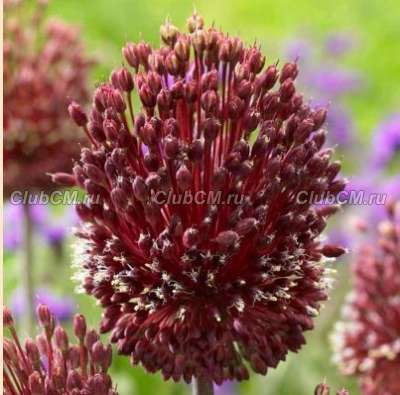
(367, 341)
(50, 365)
(44, 67)
(200, 289)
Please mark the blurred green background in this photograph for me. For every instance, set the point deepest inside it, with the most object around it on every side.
(107, 24)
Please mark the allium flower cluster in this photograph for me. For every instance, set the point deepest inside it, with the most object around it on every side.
(203, 289)
(50, 365)
(368, 340)
(44, 68)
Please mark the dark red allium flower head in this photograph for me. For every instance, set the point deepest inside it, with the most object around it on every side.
(234, 276)
(44, 68)
(51, 365)
(367, 342)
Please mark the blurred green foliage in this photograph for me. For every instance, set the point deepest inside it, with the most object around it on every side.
(107, 24)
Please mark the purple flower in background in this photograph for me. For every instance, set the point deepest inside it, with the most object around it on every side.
(333, 81)
(338, 44)
(12, 231)
(52, 228)
(227, 388)
(62, 307)
(340, 125)
(386, 142)
(299, 49)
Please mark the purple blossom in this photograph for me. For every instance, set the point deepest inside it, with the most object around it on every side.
(53, 229)
(12, 232)
(298, 49)
(62, 307)
(338, 44)
(386, 142)
(333, 81)
(227, 388)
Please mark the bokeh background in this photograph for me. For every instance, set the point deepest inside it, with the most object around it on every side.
(348, 51)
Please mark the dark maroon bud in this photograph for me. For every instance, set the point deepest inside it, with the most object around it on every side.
(273, 167)
(270, 104)
(79, 326)
(227, 239)
(319, 139)
(244, 89)
(182, 49)
(153, 181)
(154, 82)
(220, 178)
(287, 90)
(61, 339)
(130, 53)
(184, 178)
(164, 100)
(297, 101)
(64, 179)
(169, 33)
(333, 170)
(303, 130)
(144, 51)
(326, 211)
(172, 64)
(246, 226)
(235, 107)
(114, 79)
(171, 147)
(149, 134)
(151, 162)
(96, 131)
(178, 90)
(118, 101)
(319, 118)
(119, 198)
(195, 150)
(147, 96)
(140, 189)
(125, 80)
(209, 81)
(77, 114)
(139, 122)
(8, 319)
(289, 70)
(243, 148)
(111, 129)
(259, 147)
(258, 364)
(32, 352)
(119, 157)
(35, 384)
(84, 212)
(255, 61)
(91, 338)
(211, 126)
(209, 102)
(45, 318)
(191, 91)
(171, 127)
(269, 77)
(191, 238)
(74, 380)
(337, 186)
(156, 62)
(251, 120)
(79, 175)
(95, 174)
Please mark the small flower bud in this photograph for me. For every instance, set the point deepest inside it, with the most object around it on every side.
(77, 114)
(79, 326)
(191, 237)
(184, 178)
(61, 339)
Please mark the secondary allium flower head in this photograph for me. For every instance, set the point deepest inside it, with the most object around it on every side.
(44, 68)
(199, 289)
(368, 341)
(51, 365)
